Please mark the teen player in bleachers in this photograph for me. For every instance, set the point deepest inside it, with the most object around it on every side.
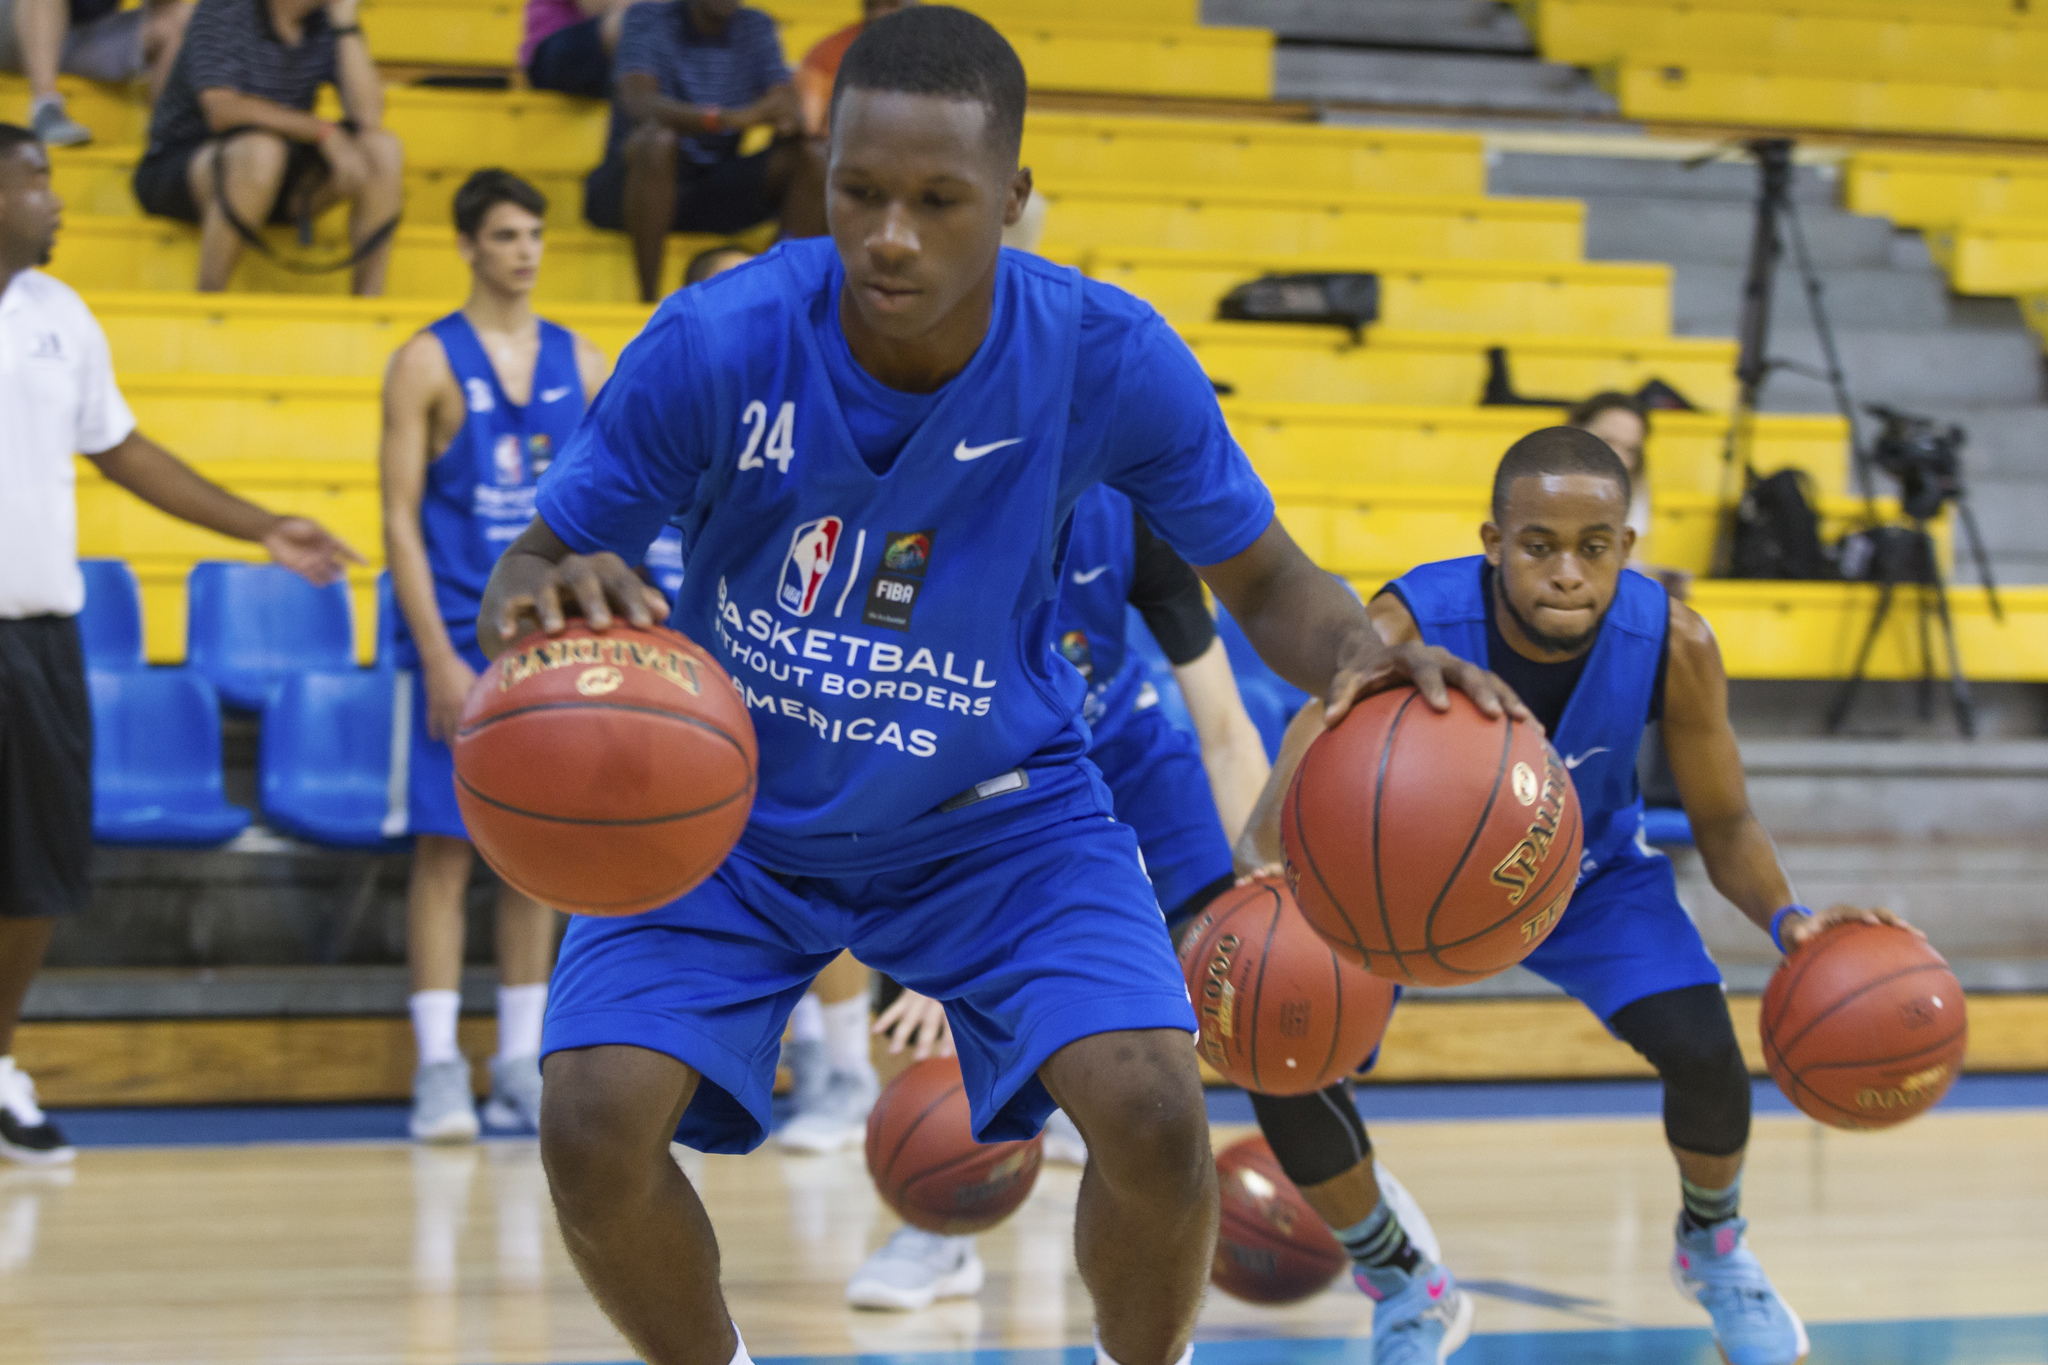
(475, 408)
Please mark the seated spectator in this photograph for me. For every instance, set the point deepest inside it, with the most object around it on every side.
(691, 76)
(234, 145)
(569, 45)
(1624, 423)
(96, 39)
(820, 66)
(715, 260)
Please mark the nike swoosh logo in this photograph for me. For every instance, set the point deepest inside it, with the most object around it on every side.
(965, 452)
(554, 395)
(1091, 575)
(1574, 760)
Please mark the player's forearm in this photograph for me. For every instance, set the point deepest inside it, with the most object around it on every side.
(412, 583)
(173, 487)
(357, 81)
(1743, 865)
(1259, 846)
(225, 109)
(1304, 623)
(1237, 771)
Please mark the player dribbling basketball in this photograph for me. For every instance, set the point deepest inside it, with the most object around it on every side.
(1597, 653)
(935, 406)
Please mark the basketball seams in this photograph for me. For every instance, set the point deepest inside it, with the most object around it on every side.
(477, 727)
(1258, 999)
(1379, 802)
(1857, 994)
(1500, 775)
(1309, 856)
(746, 793)
(1949, 1040)
(910, 1130)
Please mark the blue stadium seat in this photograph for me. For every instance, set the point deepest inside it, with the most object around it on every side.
(156, 769)
(111, 624)
(388, 621)
(324, 762)
(249, 626)
(1666, 827)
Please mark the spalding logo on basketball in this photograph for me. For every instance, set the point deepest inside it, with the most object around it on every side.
(1432, 848)
(604, 773)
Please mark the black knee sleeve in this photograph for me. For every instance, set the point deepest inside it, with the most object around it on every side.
(1315, 1137)
(1687, 1035)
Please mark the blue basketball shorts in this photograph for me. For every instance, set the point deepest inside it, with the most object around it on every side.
(1158, 787)
(1623, 937)
(1032, 943)
(422, 791)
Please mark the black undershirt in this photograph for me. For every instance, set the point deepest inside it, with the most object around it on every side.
(1168, 594)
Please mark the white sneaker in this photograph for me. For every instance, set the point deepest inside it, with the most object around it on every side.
(443, 1110)
(515, 1094)
(26, 1133)
(837, 1118)
(1063, 1141)
(913, 1268)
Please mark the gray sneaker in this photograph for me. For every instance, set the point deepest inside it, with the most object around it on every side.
(442, 1108)
(809, 1069)
(913, 1268)
(515, 1094)
(55, 128)
(836, 1119)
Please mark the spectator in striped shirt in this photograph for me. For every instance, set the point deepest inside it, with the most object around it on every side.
(691, 76)
(234, 143)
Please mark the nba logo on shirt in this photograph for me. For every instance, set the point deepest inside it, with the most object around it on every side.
(808, 566)
(479, 395)
(506, 461)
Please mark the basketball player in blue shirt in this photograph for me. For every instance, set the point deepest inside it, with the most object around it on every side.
(873, 445)
(1597, 653)
(475, 408)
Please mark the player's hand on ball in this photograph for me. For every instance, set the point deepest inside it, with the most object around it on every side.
(1433, 670)
(1802, 929)
(918, 1023)
(600, 588)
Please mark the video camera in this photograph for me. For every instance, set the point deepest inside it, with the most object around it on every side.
(1924, 455)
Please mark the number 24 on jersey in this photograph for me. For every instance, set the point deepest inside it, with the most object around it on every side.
(781, 436)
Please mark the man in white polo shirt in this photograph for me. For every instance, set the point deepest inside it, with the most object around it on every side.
(57, 397)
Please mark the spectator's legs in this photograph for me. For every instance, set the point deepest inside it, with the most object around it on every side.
(163, 29)
(649, 206)
(40, 26)
(375, 203)
(253, 166)
(526, 939)
(433, 911)
(796, 181)
(22, 945)
(611, 23)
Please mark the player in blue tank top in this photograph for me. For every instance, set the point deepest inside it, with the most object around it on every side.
(1597, 652)
(873, 446)
(475, 409)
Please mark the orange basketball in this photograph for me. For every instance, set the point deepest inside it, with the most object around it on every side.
(1864, 1026)
(1432, 848)
(1270, 1246)
(928, 1167)
(604, 774)
(1280, 1012)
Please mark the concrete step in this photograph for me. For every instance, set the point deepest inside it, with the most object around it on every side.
(1455, 25)
(1911, 370)
(1433, 80)
(284, 992)
(1706, 300)
(1687, 231)
(1730, 183)
(1881, 792)
(1778, 709)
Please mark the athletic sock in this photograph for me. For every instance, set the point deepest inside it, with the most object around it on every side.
(433, 1025)
(46, 102)
(807, 1020)
(520, 1011)
(846, 1036)
(1103, 1357)
(1705, 1207)
(1379, 1242)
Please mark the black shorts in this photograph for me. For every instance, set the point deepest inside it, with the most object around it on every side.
(163, 181)
(45, 769)
(724, 197)
(573, 61)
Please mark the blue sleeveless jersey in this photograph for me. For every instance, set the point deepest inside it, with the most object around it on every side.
(479, 493)
(1094, 615)
(1603, 723)
(893, 634)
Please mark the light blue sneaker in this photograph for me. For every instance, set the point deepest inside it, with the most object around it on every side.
(1417, 1319)
(1752, 1325)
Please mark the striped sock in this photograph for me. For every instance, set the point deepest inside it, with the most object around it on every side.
(1378, 1242)
(1705, 1207)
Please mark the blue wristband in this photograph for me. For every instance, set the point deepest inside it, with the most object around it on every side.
(1778, 923)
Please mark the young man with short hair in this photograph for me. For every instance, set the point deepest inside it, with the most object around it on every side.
(874, 445)
(234, 144)
(475, 407)
(1597, 652)
(59, 398)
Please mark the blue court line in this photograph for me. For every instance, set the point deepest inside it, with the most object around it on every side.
(1934, 1341)
(238, 1125)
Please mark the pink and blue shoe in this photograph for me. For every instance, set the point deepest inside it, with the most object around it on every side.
(1418, 1318)
(1752, 1325)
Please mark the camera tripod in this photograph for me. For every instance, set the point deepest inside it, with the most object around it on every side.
(1907, 555)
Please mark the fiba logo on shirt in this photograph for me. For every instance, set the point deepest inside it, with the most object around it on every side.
(540, 453)
(892, 592)
(479, 392)
(506, 461)
(808, 564)
(1074, 649)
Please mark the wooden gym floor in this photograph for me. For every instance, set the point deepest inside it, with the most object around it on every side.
(1924, 1246)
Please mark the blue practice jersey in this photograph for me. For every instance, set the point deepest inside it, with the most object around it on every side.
(1603, 724)
(479, 492)
(1094, 614)
(893, 632)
